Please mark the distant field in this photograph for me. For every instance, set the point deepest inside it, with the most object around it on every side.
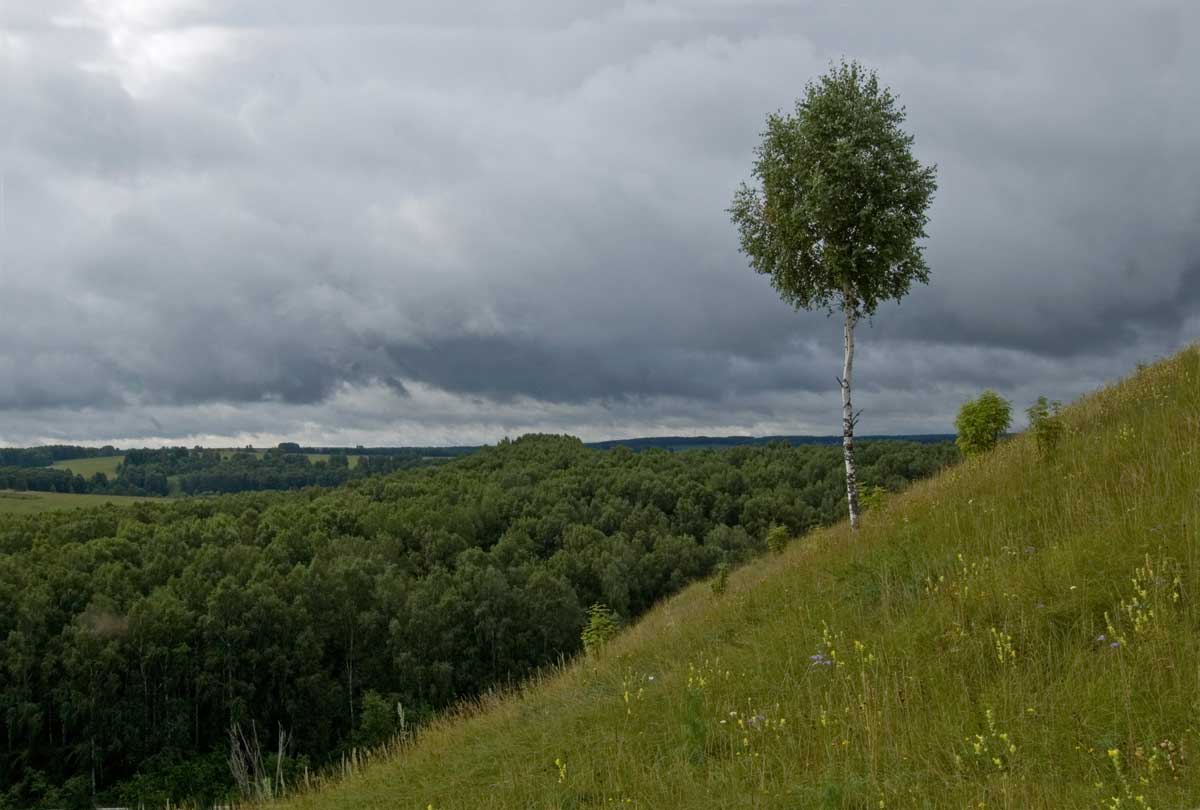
(28, 503)
(315, 457)
(87, 467)
(312, 457)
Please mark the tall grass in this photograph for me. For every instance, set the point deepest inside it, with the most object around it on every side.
(1019, 632)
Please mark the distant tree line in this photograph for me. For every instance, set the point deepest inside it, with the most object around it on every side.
(50, 479)
(132, 638)
(193, 471)
(247, 472)
(48, 454)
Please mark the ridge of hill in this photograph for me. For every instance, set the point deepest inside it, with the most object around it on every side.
(715, 442)
(1017, 632)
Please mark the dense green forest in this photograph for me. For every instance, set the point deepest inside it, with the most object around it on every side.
(133, 638)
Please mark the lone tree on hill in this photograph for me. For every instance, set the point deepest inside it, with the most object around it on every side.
(837, 211)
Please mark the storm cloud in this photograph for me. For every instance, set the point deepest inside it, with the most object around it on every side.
(423, 222)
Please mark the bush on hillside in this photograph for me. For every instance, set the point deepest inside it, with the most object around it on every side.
(777, 539)
(1046, 425)
(602, 625)
(981, 422)
(872, 497)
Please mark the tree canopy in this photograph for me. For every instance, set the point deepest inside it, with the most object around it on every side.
(132, 638)
(840, 203)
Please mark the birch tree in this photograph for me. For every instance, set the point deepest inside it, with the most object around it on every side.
(836, 212)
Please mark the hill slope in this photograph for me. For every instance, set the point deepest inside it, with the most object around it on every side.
(1014, 633)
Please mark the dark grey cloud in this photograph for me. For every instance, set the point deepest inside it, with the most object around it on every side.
(428, 222)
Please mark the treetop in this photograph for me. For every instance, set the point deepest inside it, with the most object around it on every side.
(839, 203)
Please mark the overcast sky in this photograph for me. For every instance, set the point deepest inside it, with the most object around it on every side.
(428, 222)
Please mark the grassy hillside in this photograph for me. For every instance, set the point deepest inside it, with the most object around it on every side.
(87, 467)
(1015, 633)
(28, 503)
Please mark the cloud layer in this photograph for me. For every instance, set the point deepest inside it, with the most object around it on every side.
(420, 223)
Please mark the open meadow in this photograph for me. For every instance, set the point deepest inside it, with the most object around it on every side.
(87, 467)
(28, 503)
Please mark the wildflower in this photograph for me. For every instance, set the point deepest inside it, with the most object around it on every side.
(1101, 637)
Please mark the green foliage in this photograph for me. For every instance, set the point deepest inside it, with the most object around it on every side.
(777, 539)
(981, 422)
(1046, 425)
(380, 719)
(30, 503)
(602, 626)
(957, 655)
(720, 582)
(47, 455)
(695, 725)
(841, 201)
(152, 627)
(872, 497)
(192, 471)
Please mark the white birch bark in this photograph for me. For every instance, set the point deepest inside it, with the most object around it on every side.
(848, 417)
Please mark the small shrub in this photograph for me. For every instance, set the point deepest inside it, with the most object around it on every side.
(602, 625)
(981, 422)
(872, 497)
(777, 539)
(721, 580)
(1046, 425)
(380, 719)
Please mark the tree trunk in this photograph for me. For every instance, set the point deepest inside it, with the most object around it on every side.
(848, 418)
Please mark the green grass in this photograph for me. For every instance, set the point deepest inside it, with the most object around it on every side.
(970, 624)
(87, 467)
(315, 457)
(312, 457)
(28, 503)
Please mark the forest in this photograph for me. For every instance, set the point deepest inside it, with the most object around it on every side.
(46, 455)
(133, 638)
(196, 471)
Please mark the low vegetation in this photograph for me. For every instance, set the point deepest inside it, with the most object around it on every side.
(109, 466)
(981, 422)
(1019, 632)
(30, 503)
